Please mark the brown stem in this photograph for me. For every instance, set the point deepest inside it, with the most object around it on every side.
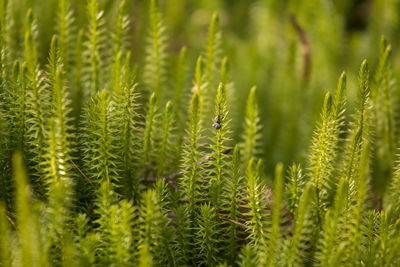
(309, 259)
(81, 172)
(376, 199)
(233, 221)
(305, 46)
(11, 221)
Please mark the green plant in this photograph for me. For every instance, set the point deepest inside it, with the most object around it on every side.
(108, 157)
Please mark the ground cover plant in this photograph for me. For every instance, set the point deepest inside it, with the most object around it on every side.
(199, 133)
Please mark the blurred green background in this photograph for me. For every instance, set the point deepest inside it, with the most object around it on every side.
(293, 51)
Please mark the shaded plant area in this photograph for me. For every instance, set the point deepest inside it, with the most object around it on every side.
(199, 133)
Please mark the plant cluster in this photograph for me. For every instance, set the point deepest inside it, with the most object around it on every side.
(105, 161)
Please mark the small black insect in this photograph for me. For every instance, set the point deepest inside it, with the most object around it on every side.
(216, 125)
(217, 121)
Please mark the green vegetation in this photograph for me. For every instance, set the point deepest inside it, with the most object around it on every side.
(199, 133)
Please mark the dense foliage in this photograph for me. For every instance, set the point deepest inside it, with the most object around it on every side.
(110, 156)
